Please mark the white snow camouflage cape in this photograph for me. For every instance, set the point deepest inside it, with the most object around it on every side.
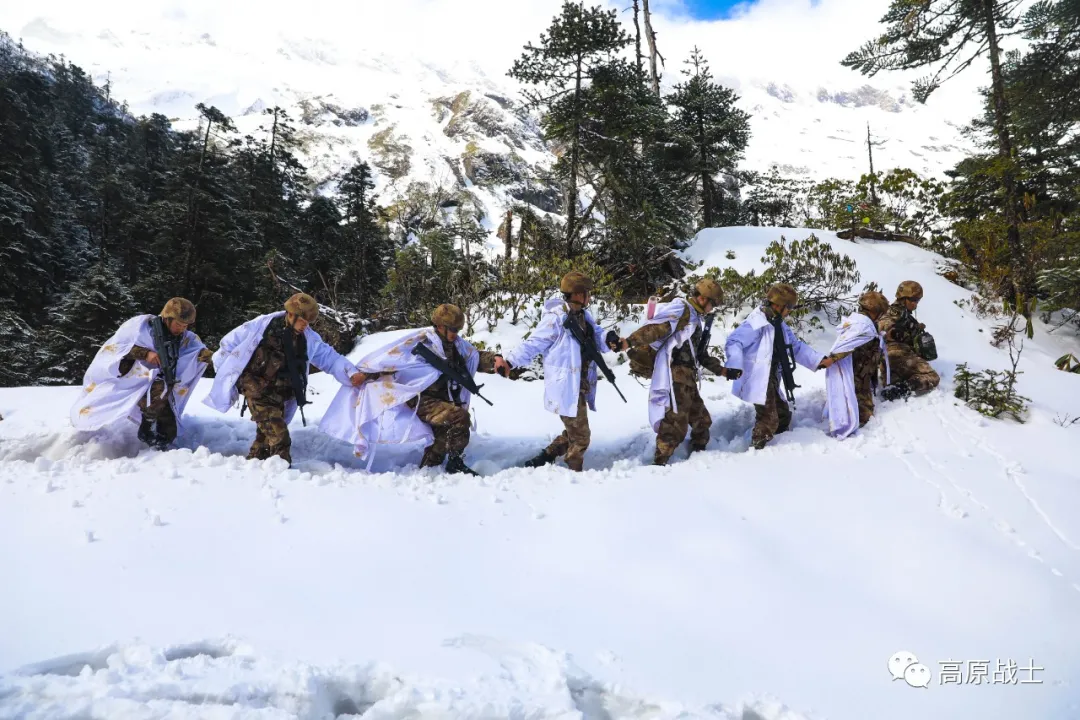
(107, 396)
(662, 388)
(841, 405)
(375, 413)
(562, 358)
(239, 345)
(750, 347)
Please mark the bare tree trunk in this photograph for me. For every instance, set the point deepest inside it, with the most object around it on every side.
(571, 192)
(637, 37)
(650, 37)
(1022, 280)
(873, 180)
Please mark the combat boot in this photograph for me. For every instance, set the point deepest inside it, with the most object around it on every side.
(544, 458)
(456, 465)
(146, 432)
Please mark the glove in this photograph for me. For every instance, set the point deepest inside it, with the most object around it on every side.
(732, 373)
(612, 339)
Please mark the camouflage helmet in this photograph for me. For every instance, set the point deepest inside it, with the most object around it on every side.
(575, 282)
(873, 302)
(303, 305)
(448, 315)
(783, 295)
(179, 308)
(909, 289)
(709, 288)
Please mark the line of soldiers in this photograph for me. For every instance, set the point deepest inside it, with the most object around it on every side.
(421, 384)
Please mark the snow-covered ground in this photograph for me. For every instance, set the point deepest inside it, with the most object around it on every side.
(194, 583)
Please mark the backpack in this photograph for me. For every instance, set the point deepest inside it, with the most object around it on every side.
(643, 358)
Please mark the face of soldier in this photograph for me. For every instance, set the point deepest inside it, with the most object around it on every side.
(705, 303)
(911, 304)
(297, 323)
(176, 327)
(448, 332)
(581, 299)
(783, 310)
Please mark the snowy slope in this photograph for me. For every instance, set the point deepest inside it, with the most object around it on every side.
(777, 582)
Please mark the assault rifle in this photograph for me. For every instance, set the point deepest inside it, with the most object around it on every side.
(588, 348)
(451, 374)
(167, 348)
(297, 378)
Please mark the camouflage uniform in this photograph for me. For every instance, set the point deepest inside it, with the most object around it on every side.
(691, 413)
(266, 386)
(905, 365)
(865, 361)
(576, 434)
(774, 417)
(158, 425)
(448, 420)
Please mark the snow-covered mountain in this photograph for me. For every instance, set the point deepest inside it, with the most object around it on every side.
(197, 584)
(421, 115)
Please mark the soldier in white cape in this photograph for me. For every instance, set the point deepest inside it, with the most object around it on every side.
(761, 354)
(127, 378)
(674, 334)
(569, 379)
(407, 399)
(253, 358)
(849, 382)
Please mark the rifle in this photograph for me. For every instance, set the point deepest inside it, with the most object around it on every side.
(429, 356)
(297, 379)
(706, 335)
(167, 348)
(922, 341)
(588, 349)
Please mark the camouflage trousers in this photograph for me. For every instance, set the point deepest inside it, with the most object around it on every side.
(906, 365)
(271, 433)
(691, 414)
(575, 437)
(449, 422)
(159, 412)
(773, 417)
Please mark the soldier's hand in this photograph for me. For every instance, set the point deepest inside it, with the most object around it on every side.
(152, 359)
(358, 379)
(620, 345)
(826, 363)
(501, 366)
(732, 373)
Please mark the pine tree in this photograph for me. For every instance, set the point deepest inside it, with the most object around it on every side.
(81, 322)
(370, 251)
(949, 35)
(713, 130)
(577, 43)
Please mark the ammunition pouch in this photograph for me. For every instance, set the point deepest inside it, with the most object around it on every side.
(925, 346)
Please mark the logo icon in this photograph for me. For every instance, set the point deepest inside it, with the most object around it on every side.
(905, 666)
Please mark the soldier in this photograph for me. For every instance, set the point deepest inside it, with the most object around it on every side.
(409, 397)
(901, 330)
(765, 348)
(569, 374)
(675, 405)
(152, 363)
(268, 360)
(850, 384)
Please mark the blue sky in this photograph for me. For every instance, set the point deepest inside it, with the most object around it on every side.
(710, 9)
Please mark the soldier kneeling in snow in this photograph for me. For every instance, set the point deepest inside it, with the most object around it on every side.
(908, 365)
(268, 360)
(766, 350)
(672, 343)
(408, 398)
(850, 383)
(150, 365)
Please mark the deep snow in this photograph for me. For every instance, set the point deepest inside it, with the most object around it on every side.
(752, 578)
